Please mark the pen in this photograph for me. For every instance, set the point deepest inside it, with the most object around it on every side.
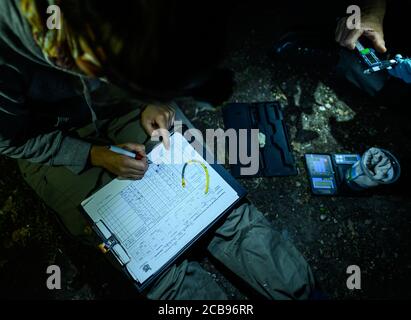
(127, 153)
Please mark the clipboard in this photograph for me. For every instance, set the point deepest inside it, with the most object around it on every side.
(112, 246)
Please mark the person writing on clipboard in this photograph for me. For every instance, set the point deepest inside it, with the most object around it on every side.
(104, 74)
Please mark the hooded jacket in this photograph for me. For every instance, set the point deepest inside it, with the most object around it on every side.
(39, 104)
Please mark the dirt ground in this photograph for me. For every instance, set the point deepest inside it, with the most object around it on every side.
(323, 115)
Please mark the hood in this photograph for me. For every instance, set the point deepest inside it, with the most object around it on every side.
(16, 37)
(15, 33)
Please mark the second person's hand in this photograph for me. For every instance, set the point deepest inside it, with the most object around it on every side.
(371, 28)
(157, 120)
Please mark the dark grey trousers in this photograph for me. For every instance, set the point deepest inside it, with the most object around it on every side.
(246, 243)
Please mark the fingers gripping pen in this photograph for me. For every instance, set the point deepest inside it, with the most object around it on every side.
(127, 153)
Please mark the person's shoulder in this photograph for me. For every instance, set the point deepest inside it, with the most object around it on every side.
(17, 44)
(8, 13)
(8, 63)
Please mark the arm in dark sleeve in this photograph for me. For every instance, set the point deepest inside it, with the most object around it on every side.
(53, 148)
(21, 135)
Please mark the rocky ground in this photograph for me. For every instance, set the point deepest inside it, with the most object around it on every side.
(323, 115)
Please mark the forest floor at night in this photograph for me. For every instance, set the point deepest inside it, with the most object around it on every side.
(323, 115)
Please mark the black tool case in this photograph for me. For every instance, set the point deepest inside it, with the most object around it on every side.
(276, 158)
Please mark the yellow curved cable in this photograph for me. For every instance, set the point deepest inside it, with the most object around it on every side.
(183, 181)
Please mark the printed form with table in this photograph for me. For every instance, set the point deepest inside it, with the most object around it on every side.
(148, 223)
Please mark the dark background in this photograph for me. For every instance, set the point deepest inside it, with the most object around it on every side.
(323, 114)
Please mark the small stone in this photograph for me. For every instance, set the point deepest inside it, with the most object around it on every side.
(204, 106)
(298, 184)
(323, 217)
(262, 140)
(297, 96)
(322, 108)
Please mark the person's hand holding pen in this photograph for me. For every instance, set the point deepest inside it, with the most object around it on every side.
(127, 161)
